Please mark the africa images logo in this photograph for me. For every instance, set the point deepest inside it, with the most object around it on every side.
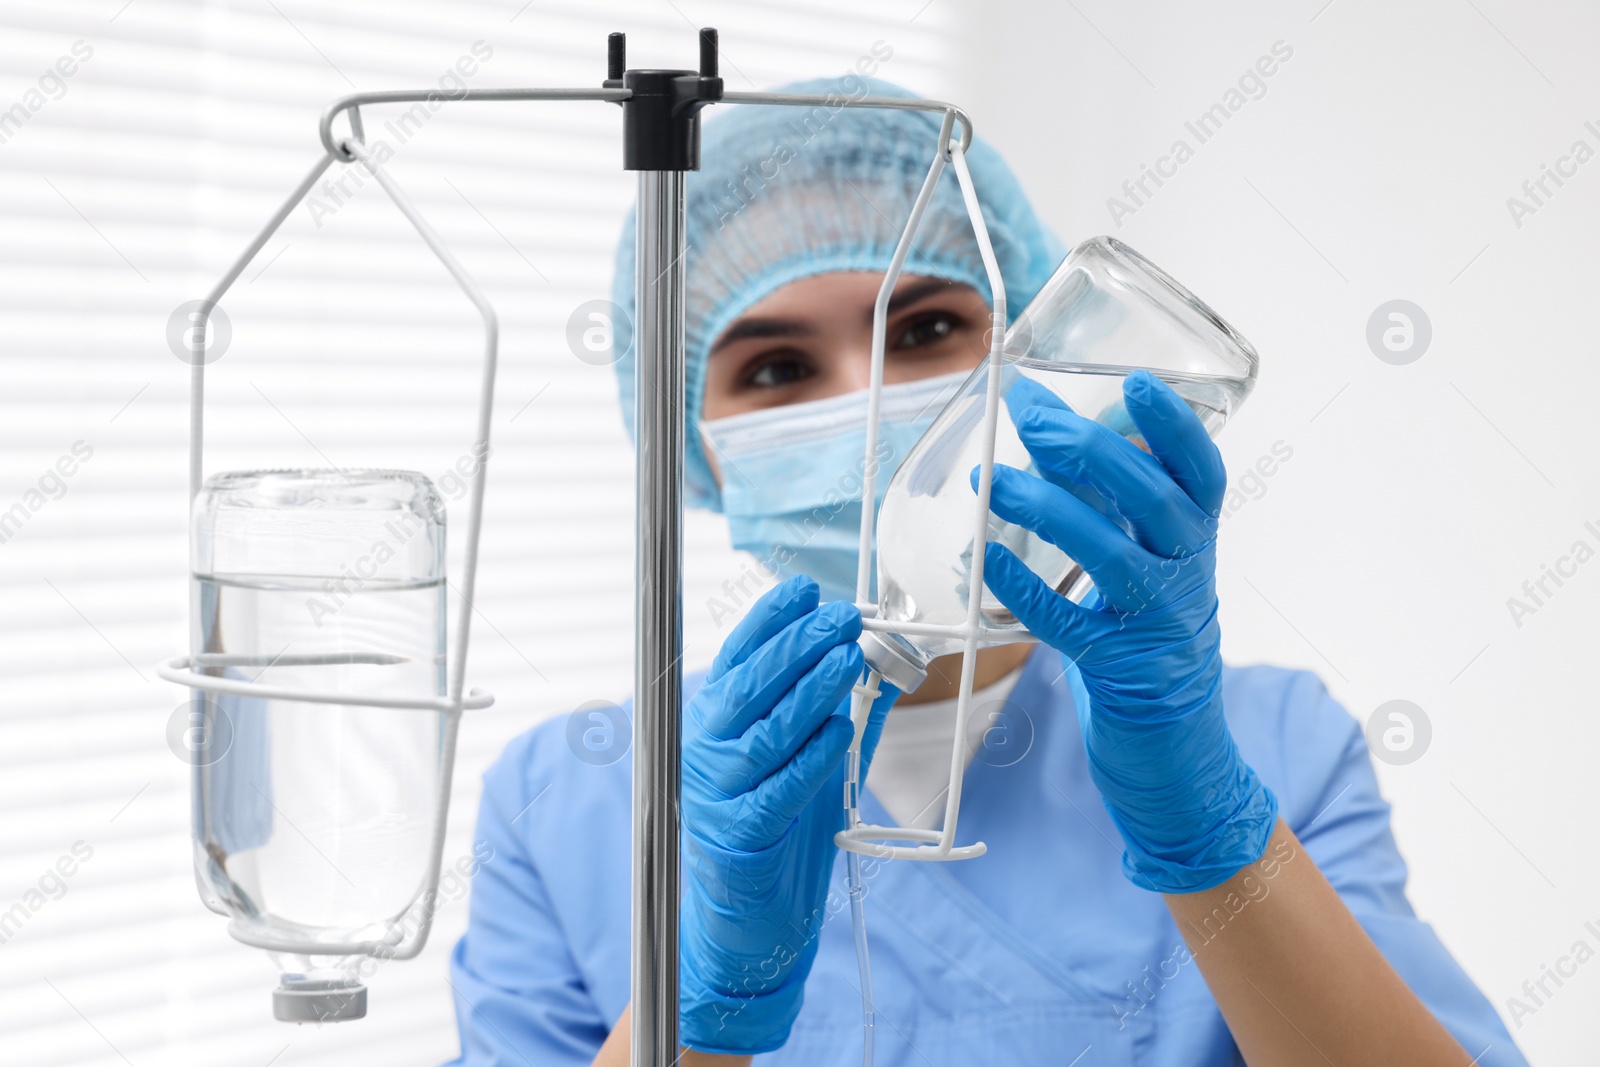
(1252, 85)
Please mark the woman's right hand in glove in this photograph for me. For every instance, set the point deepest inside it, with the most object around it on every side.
(764, 744)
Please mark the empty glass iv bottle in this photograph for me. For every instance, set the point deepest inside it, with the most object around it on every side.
(1106, 312)
(314, 821)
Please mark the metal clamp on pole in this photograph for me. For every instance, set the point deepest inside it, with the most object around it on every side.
(661, 140)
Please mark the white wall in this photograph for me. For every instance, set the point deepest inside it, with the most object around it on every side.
(1419, 498)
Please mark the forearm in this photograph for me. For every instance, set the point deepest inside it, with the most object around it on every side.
(614, 1053)
(1296, 976)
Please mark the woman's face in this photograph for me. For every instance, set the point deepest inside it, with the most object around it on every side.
(813, 339)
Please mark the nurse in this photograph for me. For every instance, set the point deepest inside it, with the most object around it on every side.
(1188, 862)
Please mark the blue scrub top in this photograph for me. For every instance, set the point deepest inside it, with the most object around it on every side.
(1039, 952)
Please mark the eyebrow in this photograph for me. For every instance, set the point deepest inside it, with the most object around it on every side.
(747, 328)
(914, 293)
(767, 327)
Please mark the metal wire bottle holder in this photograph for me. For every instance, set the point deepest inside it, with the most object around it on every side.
(865, 838)
(184, 671)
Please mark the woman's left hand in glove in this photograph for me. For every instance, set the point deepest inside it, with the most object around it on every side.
(1143, 525)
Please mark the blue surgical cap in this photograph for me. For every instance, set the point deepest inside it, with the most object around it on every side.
(788, 192)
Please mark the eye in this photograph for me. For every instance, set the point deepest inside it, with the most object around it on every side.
(927, 330)
(776, 371)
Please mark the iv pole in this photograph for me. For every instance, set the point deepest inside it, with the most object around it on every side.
(661, 132)
(661, 140)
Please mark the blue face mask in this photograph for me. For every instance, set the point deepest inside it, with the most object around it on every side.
(792, 476)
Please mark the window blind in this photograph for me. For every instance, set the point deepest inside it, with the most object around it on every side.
(142, 143)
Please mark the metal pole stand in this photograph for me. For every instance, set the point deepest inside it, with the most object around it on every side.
(661, 140)
(661, 131)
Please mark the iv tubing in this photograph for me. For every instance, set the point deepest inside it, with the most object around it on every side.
(862, 698)
(858, 923)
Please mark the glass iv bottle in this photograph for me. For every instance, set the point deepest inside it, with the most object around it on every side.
(1106, 312)
(313, 821)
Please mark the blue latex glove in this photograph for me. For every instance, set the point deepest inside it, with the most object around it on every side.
(763, 792)
(1147, 645)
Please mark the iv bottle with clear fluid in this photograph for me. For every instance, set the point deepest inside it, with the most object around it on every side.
(313, 821)
(1106, 312)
